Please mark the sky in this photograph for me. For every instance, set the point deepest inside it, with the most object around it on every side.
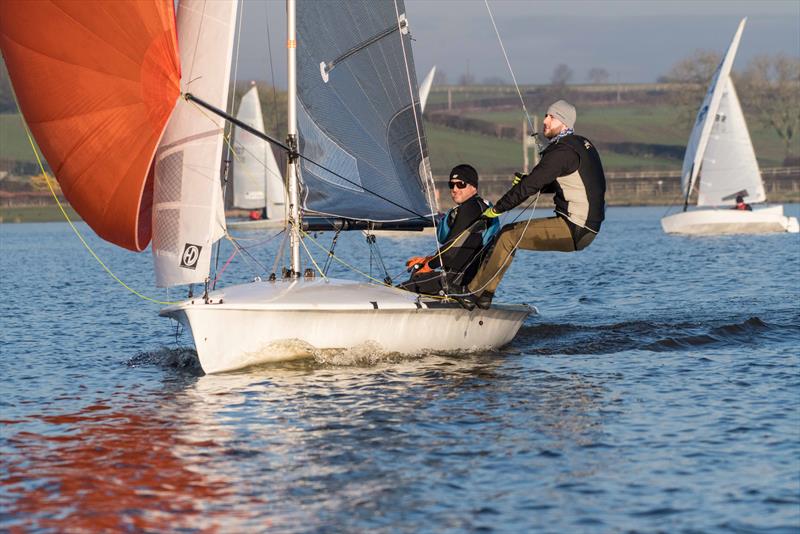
(634, 41)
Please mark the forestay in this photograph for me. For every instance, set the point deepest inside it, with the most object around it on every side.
(698, 139)
(729, 164)
(188, 213)
(356, 111)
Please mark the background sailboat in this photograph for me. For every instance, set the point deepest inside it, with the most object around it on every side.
(721, 153)
(257, 180)
(425, 88)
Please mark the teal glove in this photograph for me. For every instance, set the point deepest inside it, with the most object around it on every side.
(517, 178)
(490, 214)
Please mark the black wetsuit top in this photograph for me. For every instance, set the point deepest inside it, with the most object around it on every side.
(460, 258)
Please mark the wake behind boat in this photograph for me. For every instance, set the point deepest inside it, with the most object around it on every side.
(720, 153)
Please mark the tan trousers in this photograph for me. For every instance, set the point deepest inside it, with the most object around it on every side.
(552, 233)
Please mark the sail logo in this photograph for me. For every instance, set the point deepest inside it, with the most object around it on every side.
(191, 254)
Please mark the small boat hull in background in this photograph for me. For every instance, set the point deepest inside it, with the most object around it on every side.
(730, 221)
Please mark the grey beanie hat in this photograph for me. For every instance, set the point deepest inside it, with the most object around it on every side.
(563, 111)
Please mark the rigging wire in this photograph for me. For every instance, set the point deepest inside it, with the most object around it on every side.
(75, 229)
(229, 129)
(508, 63)
(430, 184)
(331, 250)
(261, 135)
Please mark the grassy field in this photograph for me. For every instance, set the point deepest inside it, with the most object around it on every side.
(14, 144)
(656, 125)
(492, 155)
(36, 214)
(662, 125)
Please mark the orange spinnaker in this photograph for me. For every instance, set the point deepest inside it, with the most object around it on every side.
(96, 82)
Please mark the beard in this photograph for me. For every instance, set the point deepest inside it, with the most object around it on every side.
(551, 132)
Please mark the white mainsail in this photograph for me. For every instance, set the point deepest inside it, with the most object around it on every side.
(729, 163)
(188, 214)
(698, 139)
(257, 180)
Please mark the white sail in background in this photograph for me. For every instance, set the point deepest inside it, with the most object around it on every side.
(249, 176)
(698, 139)
(257, 180)
(188, 214)
(425, 88)
(729, 163)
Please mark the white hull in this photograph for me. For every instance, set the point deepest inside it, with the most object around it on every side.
(260, 224)
(730, 221)
(262, 322)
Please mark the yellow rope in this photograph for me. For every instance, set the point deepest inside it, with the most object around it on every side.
(75, 229)
(308, 253)
(365, 275)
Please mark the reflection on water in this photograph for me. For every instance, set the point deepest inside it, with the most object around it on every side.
(109, 468)
(288, 445)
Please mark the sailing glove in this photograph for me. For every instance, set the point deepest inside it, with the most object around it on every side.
(489, 214)
(518, 176)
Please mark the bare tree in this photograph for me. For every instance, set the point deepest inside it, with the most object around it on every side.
(562, 74)
(598, 76)
(494, 80)
(440, 77)
(770, 86)
(695, 73)
(466, 79)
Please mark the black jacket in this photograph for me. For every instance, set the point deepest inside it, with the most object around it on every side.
(459, 259)
(570, 168)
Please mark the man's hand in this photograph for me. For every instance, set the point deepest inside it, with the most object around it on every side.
(489, 214)
(418, 264)
(518, 176)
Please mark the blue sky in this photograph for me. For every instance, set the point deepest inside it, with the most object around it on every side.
(635, 41)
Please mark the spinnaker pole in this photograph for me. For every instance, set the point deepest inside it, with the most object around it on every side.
(291, 139)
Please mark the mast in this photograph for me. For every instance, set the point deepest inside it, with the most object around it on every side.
(291, 139)
(688, 191)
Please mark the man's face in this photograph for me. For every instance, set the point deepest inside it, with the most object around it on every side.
(552, 126)
(459, 194)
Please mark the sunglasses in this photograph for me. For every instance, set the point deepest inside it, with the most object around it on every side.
(460, 185)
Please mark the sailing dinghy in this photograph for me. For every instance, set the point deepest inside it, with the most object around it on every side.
(357, 159)
(257, 180)
(721, 153)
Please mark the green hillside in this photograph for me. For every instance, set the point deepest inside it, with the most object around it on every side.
(14, 144)
(649, 124)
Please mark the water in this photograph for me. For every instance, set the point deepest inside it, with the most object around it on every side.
(658, 390)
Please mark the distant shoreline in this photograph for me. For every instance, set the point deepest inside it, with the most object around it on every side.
(43, 214)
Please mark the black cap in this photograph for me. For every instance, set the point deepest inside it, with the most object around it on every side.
(465, 173)
(739, 198)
